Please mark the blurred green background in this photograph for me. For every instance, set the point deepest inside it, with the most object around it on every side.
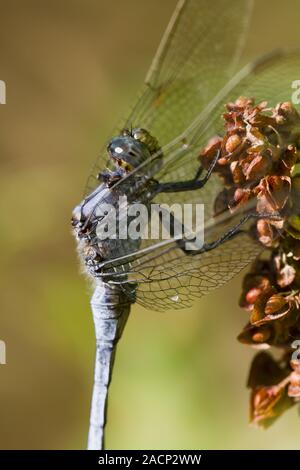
(71, 68)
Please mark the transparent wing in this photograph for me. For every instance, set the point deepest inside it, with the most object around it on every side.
(198, 53)
(193, 75)
(269, 78)
(164, 276)
(178, 281)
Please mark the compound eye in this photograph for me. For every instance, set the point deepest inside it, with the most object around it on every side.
(114, 149)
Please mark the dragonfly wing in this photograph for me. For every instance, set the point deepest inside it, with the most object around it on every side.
(270, 78)
(180, 281)
(181, 105)
(163, 275)
(198, 53)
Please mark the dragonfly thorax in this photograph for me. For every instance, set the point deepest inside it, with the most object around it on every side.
(132, 149)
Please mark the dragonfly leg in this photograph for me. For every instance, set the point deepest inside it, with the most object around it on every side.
(190, 185)
(229, 234)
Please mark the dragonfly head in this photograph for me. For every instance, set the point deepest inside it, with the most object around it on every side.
(131, 149)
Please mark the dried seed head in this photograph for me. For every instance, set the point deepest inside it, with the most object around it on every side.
(258, 155)
(232, 143)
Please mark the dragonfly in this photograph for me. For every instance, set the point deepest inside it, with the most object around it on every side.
(152, 158)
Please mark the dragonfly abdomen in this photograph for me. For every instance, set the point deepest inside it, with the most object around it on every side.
(110, 309)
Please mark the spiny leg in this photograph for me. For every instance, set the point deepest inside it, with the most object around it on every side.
(190, 185)
(235, 230)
